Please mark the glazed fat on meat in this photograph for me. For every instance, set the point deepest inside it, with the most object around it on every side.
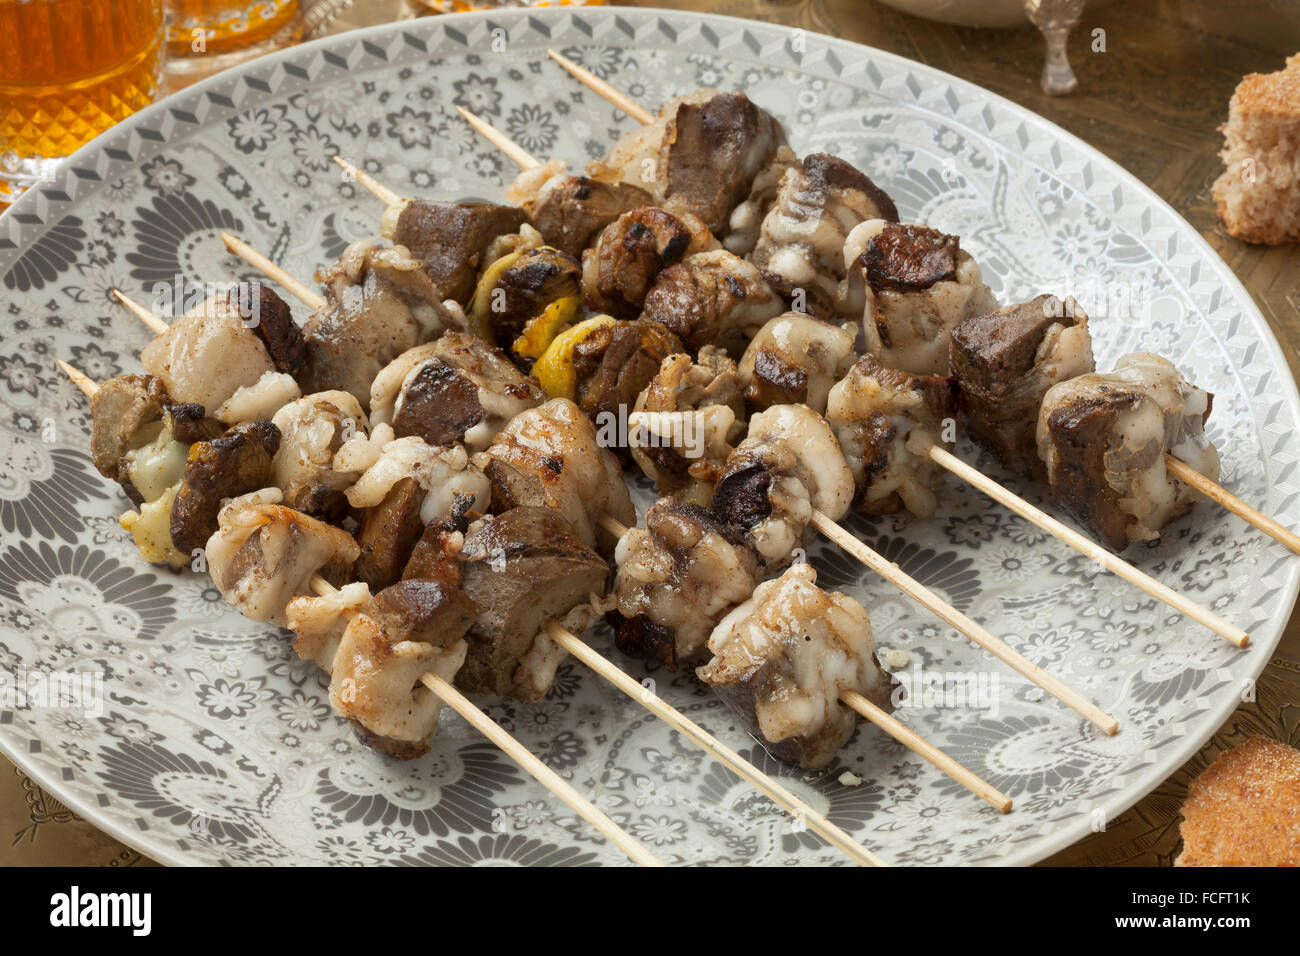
(712, 298)
(208, 354)
(405, 631)
(701, 155)
(801, 243)
(313, 430)
(886, 421)
(379, 303)
(551, 456)
(457, 388)
(795, 359)
(1005, 362)
(570, 210)
(782, 659)
(523, 568)
(686, 422)
(450, 240)
(621, 267)
(1103, 438)
(789, 464)
(676, 577)
(264, 554)
(911, 285)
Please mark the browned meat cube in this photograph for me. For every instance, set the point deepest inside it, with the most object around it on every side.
(522, 569)
(450, 239)
(219, 470)
(1005, 362)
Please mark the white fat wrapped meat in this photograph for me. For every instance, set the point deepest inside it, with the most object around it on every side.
(207, 355)
(1103, 438)
(685, 423)
(451, 483)
(911, 285)
(783, 658)
(264, 554)
(455, 389)
(320, 620)
(380, 302)
(405, 631)
(550, 456)
(312, 431)
(259, 401)
(886, 421)
(796, 358)
(789, 464)
(676, 577)
(801, 242)
(746, 220)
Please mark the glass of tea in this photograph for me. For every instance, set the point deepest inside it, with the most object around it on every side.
(70, 69)
(210, 28)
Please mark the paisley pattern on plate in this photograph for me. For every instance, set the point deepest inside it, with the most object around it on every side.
(214, 744)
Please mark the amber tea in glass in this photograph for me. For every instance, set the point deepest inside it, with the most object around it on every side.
(70, 69)
(203, 27)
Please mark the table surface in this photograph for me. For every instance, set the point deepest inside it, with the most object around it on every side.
(1152, 102)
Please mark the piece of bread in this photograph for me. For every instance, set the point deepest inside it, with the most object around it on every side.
(1244, 810)
(1258, 194)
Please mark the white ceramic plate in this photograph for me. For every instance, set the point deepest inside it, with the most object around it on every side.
(215, 744)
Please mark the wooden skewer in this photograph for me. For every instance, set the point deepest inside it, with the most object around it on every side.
(1085, 545)
(896, 729)
(502, 142)
(599, 86)
(522, 756)
(368, 181)
(711, 745)
(1189, 475)
(919, 745)
(955, 618)
(477, 719)
(140, 312)
(262, 264)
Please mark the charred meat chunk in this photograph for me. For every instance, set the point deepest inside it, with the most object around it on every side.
(1103, 438)
(520, 286)
(455, 389)
(235, 464)
(795, 358)
(121, 410)
(570, 210)
(912, 286)
(522, 569)
(379, 303)
(886, 421)
(450, 239)
(269, 316)
(1005, 362)
(615, 363)
(388, 533)
(783, 659)
(676, 577)
(789, 464)
(712, 298)
(627, 257)
(551, 457)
